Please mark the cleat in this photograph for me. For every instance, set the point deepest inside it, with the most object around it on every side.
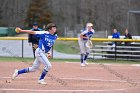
(15, 74)
(85, 62)
(83, 65)
(42, 82)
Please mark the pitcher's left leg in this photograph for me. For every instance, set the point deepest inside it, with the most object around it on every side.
(48, 66)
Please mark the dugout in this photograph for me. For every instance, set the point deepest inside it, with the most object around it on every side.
(7, 31)
(11, 31)
(3, 31)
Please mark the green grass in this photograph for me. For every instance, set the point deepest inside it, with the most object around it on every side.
(13, 59)
(68, 47)
(18, 59)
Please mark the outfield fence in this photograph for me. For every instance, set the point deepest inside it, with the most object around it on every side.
(98, 50)
(73, 39)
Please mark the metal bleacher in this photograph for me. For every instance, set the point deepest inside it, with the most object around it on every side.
(118, 51)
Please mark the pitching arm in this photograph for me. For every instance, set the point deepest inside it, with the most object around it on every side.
(18, 30)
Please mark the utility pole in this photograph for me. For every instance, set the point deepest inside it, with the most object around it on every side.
(128, 16)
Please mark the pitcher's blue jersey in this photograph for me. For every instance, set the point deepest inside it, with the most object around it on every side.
(46, 40)
(87, 33)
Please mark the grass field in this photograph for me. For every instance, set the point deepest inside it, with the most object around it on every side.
(14, 59)
(68, 47)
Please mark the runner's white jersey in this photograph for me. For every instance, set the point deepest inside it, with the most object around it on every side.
(87, 33)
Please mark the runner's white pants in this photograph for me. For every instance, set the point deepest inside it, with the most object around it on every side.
(83, 48)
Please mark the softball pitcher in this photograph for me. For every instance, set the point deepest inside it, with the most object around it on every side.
(47, 39)
(85, 36)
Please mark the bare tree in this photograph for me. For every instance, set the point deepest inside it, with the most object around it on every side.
(72, 14)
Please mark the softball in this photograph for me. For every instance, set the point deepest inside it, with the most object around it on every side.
(17, 30)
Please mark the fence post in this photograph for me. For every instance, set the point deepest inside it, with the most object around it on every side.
(22, 48)
(115, 50)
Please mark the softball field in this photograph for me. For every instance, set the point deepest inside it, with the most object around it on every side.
(68, 77)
